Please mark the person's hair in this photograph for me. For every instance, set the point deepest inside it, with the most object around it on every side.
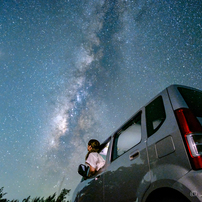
(95, 144)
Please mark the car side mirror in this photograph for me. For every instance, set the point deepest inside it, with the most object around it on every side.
(83, 170)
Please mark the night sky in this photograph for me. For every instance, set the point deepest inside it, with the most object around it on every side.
(72, 70)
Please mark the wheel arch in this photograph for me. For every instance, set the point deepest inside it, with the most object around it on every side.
(166, 194)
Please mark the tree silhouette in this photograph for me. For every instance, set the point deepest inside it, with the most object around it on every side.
(52, 198)
(62, 195)
(26, 199)
(2, 195)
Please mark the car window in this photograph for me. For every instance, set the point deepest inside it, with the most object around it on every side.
(127, 137)
(200, 120)
(193, 99)
(155, 115)
(104, 151)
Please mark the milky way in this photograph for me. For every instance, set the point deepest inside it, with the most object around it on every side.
(75, 70)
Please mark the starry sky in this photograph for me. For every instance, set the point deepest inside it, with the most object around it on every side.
(72, 70)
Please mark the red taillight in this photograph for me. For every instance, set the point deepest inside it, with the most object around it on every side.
(191, 131)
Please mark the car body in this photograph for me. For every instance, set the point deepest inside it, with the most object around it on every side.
(154, 156)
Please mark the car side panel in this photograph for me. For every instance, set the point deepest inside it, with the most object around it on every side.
(123, 176)
(90, 190)
(167, 154)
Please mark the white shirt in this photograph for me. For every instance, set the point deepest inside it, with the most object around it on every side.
(95, 160)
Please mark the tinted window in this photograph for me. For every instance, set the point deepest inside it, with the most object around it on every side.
(193, 99)
(127, 137)
(155, 115)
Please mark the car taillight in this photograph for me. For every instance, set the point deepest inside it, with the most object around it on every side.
(191, 130)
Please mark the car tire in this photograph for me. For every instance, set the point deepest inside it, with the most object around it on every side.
(176, 198)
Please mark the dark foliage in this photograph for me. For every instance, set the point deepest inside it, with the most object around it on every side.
(52, 198)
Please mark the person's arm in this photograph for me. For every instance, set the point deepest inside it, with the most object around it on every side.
(91, 170)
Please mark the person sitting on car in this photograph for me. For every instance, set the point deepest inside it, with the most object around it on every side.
(94, 160)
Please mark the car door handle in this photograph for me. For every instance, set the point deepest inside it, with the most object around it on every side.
(134, 155)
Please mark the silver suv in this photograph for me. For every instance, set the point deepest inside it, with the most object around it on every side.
(156, 156)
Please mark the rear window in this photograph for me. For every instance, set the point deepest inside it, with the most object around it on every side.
(193, 100)
(155, 115)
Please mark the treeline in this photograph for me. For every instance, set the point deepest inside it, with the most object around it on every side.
(53, 198)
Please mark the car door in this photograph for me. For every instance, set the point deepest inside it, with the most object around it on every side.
(91, 189)
(127, 177)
